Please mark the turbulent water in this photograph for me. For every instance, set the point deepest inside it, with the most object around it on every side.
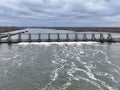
(60, 66)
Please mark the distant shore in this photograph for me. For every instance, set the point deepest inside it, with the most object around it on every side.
(76, 29)
(8, 29)
(86, 29)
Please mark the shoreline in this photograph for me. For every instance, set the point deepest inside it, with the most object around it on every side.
(87, 29)
(75, 29)
(9, 29)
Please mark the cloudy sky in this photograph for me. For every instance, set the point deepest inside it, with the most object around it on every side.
(60, 12)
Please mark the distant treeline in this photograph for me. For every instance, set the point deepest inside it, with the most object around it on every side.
(76, 29)
(8, 29)
(87, 29)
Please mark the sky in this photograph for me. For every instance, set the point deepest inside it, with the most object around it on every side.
(80, 13)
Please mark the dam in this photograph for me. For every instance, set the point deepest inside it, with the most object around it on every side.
(57, 37)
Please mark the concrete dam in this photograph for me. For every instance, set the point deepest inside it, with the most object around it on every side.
(56, 37)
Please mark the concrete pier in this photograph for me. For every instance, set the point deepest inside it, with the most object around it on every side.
(0, 38)
(49, 38)
(19, 37)
(101, 38)
(109, 37)
(85, 37)
(76, 38)
(67, 37)
(39, 37)
(29, 37)
(93, 37)
(9, 38)
(58, 37)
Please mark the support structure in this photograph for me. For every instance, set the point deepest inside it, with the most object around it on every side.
(101, 38)
(84, 37)
(19, 37)
(109, 38)
(58, 37)
(29, 37)
(9, 38)
(0, 38)
(76, 37)
(67, 37)
(39, 37)
(93, 37)
(49, 39)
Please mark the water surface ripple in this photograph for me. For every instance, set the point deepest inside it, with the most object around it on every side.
(60, 66)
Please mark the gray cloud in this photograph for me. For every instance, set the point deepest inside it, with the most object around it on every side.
(60, 12)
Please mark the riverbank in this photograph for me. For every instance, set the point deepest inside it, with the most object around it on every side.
(8, 29)
(86, 29)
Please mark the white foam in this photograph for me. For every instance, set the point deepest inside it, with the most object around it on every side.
(66, 85)
(19, 64)
(54, 62)
(90, 75)
(5, 72)
(71, 72)
(106, 57)
(57, 43)
(55, 74)
(16, 56)
(6, 59)
(92, 82)
(108, 76)
(34, 43)
(81, 52)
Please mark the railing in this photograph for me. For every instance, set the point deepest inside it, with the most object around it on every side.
(7, 38)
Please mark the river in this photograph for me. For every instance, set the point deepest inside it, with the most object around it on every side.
(60, 66)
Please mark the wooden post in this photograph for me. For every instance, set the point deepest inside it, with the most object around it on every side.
(101, 38)
(9, 38)
(29, 37)
(76, 37)
(84, 37)
(109, 38)
(93, 37)
(39, 37)
(49, 39)
(19, 37)
(67, 37)
(58, 37)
